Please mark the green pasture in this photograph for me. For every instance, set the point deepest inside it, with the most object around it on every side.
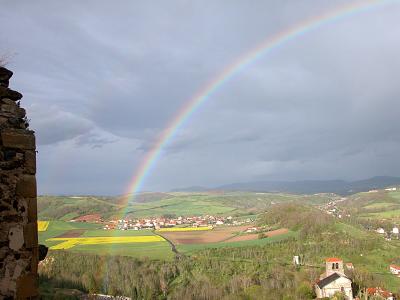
(101, 232)
(156, 204)
(352, 230)
(57, 228)
(156, 250)
(395, 195)
(390, 214)
(182, 205)
(191, 249)
(379, 205)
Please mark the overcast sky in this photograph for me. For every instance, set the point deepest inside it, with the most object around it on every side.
(101, 79)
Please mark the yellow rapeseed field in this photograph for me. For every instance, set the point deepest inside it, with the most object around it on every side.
(42, 225)
(175, 229)
(71, 242)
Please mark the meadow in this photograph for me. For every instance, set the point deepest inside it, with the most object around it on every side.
(192, 248)
(378, 207)
(66, 208)
(88, 238)
(182, 229)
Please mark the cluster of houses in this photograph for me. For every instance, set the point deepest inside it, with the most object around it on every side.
(331, 208)
(334, 280)
(163, 222)
(392, 234)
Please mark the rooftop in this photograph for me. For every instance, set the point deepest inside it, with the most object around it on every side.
(333, 259)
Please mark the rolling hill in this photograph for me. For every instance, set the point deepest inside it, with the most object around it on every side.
(339, 187)
(158, 204)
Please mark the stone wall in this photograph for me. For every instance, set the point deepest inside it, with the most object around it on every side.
(18, 203)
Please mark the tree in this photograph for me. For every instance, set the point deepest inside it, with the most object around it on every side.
(339, 296)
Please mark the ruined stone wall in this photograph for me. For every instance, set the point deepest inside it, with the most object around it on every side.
(18, 203)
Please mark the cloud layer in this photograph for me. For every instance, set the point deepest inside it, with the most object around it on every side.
(101, 81)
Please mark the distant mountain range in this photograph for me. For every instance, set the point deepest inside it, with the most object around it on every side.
(340, 187)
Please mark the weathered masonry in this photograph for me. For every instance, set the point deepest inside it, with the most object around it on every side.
(18, 203)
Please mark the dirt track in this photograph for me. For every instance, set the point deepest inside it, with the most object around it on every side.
(72, 233)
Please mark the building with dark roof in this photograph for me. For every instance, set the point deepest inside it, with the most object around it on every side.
(333, 280)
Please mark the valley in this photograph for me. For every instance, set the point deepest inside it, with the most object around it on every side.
(191, 234)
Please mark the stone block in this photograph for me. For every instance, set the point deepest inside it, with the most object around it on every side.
(16, 238)
(5, 74)
(18, 138)
(21, 112)
(5, 83)
(7, 101)
(9, 108)
(30, 162)
(3, 120)
(32, 209)
(9, 94)
(35, 260)
(31, 235)
(26, 186)
(27, 286)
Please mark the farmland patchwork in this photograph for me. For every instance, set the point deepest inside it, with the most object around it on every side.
(67, 243)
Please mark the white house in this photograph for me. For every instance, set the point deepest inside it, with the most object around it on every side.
(391, 189)
(380, 230)
(395, 269)
(333, 280)
(395, 230)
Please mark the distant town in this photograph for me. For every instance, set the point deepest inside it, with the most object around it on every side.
(164, 222)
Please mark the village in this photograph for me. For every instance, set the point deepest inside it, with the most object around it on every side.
(391, 231)
(166, 222)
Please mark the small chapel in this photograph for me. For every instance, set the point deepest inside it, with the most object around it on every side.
(333, 280)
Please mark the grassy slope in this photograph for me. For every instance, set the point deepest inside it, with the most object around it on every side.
(235, 203)
(158, 250)
(375, 206)
(66, 208)
(191, 249)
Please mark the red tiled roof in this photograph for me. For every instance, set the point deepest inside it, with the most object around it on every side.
(378, 291)
(395, 267)
(333, 259)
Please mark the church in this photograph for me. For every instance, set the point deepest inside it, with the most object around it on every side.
(333, 280)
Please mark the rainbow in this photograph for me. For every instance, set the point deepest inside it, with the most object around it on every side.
(205, 93)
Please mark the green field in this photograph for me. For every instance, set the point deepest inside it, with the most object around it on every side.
(157, 204)
(191, 249)
(57, 228)
(158, 250)
(393, 215)
(153, 250)
(101, 232)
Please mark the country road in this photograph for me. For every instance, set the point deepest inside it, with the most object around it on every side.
(173, 247)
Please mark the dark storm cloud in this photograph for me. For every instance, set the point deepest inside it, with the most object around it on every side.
(101, 80)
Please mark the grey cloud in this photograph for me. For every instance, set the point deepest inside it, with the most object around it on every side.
(95, 140)
(101, 78)
(53, 125)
